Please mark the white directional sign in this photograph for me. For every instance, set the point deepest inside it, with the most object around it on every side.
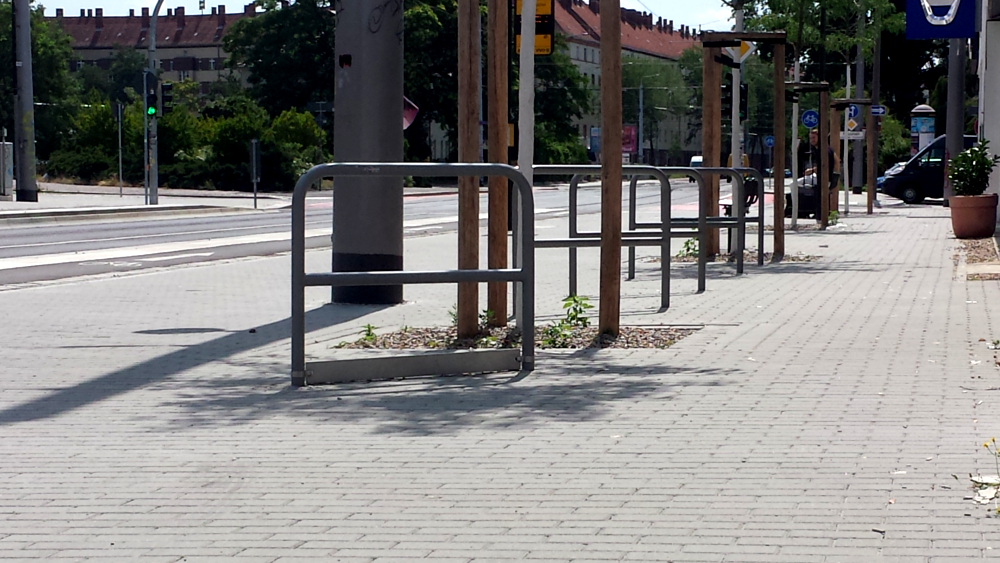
(878, 110)
(854, 135)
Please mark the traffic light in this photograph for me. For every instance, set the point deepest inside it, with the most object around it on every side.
(151, 103)
(744, 101)
(167, 97)
(727, 97)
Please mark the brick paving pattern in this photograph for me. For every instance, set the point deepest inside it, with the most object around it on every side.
(819, 415)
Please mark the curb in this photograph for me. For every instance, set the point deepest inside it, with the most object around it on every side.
(88, 213)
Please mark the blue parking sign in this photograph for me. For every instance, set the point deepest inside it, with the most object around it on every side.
(810, 118)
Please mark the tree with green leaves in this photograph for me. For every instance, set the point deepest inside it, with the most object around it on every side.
(561, 96)
(287, 52)
(665, 97)
(54, 89)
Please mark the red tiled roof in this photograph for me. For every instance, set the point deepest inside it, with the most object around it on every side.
(581, 21)
(175, 30)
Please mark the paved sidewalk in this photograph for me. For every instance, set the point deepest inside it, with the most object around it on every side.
(819, 415)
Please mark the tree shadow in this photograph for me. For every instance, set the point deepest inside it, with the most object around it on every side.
(567, 387)
(163, 368)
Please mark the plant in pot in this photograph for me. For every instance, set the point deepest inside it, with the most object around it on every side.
(973, 215)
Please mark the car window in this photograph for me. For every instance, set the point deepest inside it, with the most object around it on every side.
(933, 157)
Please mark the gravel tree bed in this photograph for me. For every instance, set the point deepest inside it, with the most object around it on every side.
(748, 256)
(551, 336)
(979, 251)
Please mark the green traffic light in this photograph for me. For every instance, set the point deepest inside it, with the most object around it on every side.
(151, 110)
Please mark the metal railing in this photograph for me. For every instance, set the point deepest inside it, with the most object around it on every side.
(579, 239)
(523, 272)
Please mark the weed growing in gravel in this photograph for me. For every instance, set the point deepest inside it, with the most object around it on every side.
(690, 249)
(368, 333)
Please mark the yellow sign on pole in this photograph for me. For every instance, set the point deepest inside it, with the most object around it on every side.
(542, 8)
(545, 27)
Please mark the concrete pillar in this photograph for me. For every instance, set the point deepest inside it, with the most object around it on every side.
(24, 110)
(989, 81)
(368, 127)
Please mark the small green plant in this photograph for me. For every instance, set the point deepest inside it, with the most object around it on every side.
(453, 313)
(368, 333)
(557, 335)
(485, 319)
(969, 171)
(576, 307)
(991, 447)
(690, 249)
(833, 218)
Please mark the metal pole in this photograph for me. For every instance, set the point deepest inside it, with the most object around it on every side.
(859, 82)
(526, 94)
(642, 152)
(735, 147)
(795, 151)
(121, 115)
(153, 171)
(145, 138)
(955, 127)
(255, 174)
(845, 162)
(24, 126)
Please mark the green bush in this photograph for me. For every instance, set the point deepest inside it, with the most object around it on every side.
(87, 163)
(970, 170)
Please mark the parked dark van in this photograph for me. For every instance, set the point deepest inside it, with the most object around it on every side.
(922, 176)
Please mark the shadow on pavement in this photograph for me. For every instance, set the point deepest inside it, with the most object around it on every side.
(161, 369)
(650, 271)
(566, 388)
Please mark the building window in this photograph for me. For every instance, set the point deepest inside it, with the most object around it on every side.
(211, 64)
(184, 75)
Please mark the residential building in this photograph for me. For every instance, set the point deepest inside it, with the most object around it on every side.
(188, 47)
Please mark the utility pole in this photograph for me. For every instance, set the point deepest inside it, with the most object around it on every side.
(876, 93)
(24, 111)
(526, 94)
(153, 171)
(145, 137)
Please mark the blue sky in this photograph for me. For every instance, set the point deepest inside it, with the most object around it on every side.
(709, 14)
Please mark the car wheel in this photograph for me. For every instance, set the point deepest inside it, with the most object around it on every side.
(911, 194)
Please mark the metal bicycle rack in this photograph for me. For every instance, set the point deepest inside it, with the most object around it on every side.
(630, 238)
(693, 223)
(472, 361)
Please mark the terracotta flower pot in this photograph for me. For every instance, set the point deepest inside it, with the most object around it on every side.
(973, 216)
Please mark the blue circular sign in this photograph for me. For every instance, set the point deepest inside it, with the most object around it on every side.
(853, 111)
(769, 141)
(810, 118)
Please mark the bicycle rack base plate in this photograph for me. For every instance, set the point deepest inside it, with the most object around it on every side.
(395, 365)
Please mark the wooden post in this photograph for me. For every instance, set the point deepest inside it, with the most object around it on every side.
(824, 159)
(711, 136)
(778, 166)
(837, 142)
(611, 166)
(468, 151)
(872, 156)
(496, 79)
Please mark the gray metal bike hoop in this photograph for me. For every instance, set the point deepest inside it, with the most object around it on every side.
(524, 231)
(761, 192)
(635, 171)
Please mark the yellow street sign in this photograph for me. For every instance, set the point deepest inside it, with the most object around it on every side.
(542, 8)
(543, 44)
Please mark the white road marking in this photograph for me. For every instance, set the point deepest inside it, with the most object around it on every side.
(109, 254)
(147, 250)
(178, 257)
